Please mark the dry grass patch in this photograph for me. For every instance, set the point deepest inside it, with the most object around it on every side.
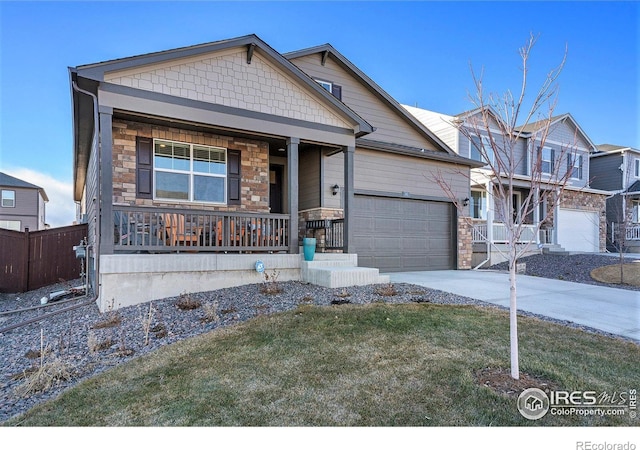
(611, 274)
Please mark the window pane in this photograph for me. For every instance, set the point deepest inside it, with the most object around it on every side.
(475, 148)
(209, 160)
(172, 185)
(169, 155)
(9, 199)
(477, 204)
(208, 189)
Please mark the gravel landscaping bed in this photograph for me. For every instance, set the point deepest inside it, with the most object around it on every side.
(574, 268)
(88, 342)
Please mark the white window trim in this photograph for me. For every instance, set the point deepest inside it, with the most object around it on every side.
(482, 206)
(635, 213)
(190, 173)
(636, 167)
(325, 84)
(574, 158)
(13, 200)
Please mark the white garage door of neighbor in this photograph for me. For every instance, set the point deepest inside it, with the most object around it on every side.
(578, 231)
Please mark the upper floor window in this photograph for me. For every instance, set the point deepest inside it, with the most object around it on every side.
(189, 172)
(636, 167)
(8, 199)
(331, 87)
(480, 149)
(574, 166)
(546, 160)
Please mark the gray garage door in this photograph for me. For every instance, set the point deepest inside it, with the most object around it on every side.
(402, 235)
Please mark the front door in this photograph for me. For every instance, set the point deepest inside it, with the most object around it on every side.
(275, 188)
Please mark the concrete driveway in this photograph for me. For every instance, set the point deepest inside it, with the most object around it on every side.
(612, 310)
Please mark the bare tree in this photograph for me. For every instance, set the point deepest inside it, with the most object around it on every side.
(505, 121)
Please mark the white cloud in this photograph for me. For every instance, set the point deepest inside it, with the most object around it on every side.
(61, 209)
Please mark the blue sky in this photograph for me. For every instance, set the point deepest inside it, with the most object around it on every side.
(419, 52)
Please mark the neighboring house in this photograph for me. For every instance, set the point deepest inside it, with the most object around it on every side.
(22, 206)
(576, 224)
(230, 147)
(616, 169)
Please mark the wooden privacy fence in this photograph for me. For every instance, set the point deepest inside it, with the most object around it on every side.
(31, 260)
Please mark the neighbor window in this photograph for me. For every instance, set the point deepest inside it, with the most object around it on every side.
(10, 224)
(574, 166)
(480, 149)
(635, 211)
(636, 167)
(477, 204)
(188, 172)
(546, 160)
(8, 199)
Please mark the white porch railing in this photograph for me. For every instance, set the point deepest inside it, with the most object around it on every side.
(500, 235)
(632, 232)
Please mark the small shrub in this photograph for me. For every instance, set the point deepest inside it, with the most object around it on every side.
(307, 299)
(46, 375)
(387, 290)
(270, 285)
(44, 378)
(187, 303)
(210, 310)
(229, 310)
(96, 345)
(343, 294)
(113, 319)
(146, 321)
(159, 330)
(32, 354)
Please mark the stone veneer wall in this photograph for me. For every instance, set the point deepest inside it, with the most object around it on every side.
(585, 201)
(465, 243)
(317, 214)
(254, 163)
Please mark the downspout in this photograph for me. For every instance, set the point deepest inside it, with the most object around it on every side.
(95, 247)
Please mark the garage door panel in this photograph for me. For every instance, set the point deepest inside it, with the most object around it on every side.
(578, 230)
(401, 234)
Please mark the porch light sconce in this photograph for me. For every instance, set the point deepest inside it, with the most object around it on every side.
(465, 202)
(335, 189)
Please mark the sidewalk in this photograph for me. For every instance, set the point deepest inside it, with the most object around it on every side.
(612, 310)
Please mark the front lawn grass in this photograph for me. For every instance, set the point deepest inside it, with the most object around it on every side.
(348, 365)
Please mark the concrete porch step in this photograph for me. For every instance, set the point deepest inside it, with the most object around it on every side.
(554, 249)
(340, 273)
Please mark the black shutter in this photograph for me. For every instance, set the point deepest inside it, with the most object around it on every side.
(233, 177)
(144, 167)
(336, 91)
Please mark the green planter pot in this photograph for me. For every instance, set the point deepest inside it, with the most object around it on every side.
(309, 248)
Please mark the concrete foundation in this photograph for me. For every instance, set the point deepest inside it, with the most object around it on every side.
(127, 280)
